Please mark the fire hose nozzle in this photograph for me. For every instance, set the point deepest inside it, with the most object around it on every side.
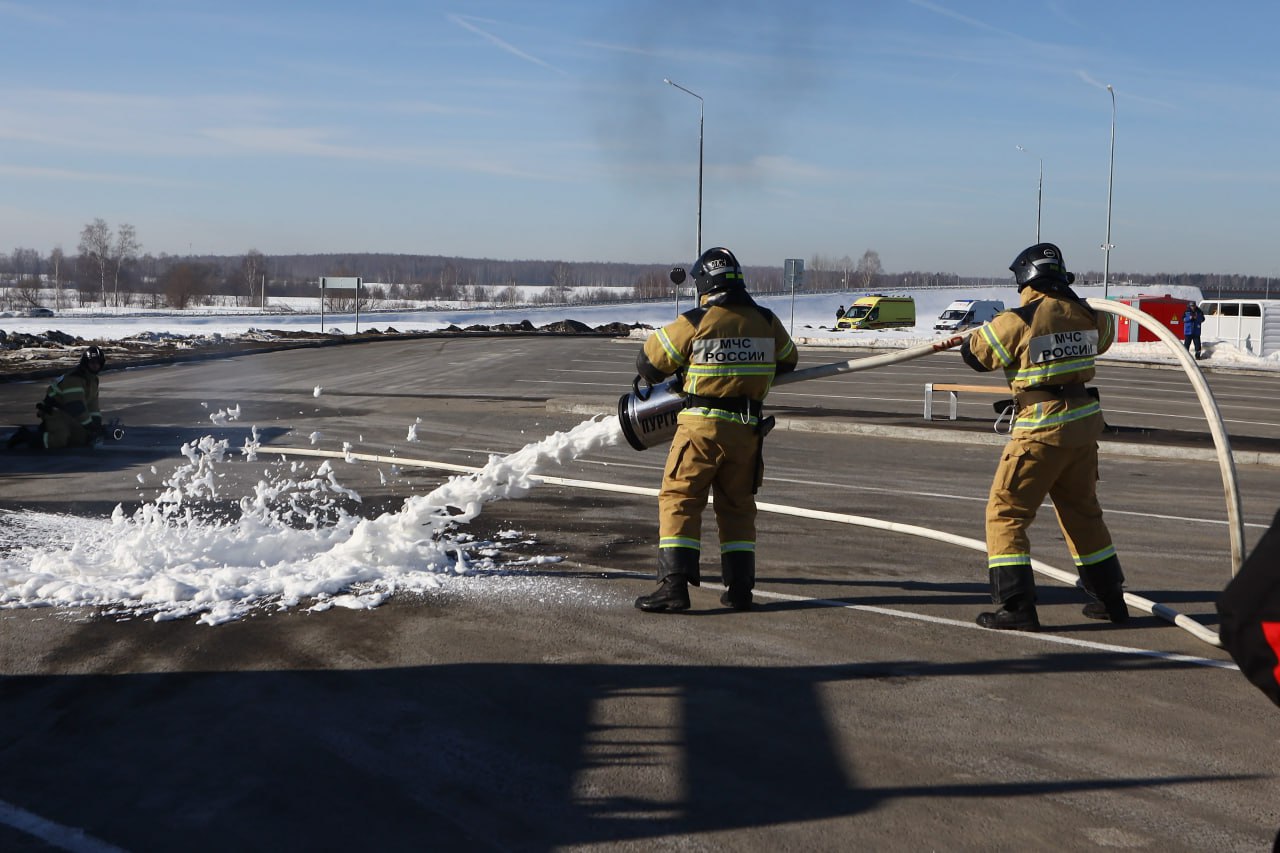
(649, 418)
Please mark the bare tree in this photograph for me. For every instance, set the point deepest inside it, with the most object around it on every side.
(185, 283)
(95, 248)
(149, 271)
(27, 292)
(125, 250)
(652, 285)
(448, 280)
(55, 266)
(252, 269)
(26, 262)
(819, 273)
(869, 268)
(561, 276)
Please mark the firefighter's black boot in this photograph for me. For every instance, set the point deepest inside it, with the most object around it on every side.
(1104, 582)
(1014, 589)
(677, 568)
(671, 596)
(738, 573)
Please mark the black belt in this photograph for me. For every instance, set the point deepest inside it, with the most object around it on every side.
(741, 406)
(1045, 393)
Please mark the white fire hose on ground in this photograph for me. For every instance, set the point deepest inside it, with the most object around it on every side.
(1226, 463)
(661, 413)
(1168, 614)
(648, 420)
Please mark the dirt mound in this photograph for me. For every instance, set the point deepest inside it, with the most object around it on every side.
(34, 356)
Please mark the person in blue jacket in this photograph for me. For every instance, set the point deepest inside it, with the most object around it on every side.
(1192, 319)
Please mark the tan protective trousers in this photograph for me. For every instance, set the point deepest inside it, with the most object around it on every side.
(1028, 472)
(61, 430)
(709, 456)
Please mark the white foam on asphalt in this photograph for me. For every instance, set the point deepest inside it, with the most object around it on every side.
(297, 539)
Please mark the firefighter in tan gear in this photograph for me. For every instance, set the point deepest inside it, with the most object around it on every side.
(1047, 347)
(69, 415)
(727, 351)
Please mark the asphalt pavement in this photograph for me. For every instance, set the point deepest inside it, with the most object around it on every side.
(533, 708)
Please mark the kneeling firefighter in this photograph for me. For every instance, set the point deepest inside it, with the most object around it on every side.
(69, 415)
(727, 352)
(1047, 347)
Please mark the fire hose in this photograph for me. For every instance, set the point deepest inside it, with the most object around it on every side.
(649, 417)
(1146, 605)
(646, 416)
(1226, 463)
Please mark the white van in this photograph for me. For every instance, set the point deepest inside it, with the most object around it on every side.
(967, 313)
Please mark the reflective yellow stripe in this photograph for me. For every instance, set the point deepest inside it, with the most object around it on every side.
(1038, 421)
(720, 415)
(670, 349)
(998, 348)
(1096, 557)
(1107, 335)
(732, 370)
(1043, 373)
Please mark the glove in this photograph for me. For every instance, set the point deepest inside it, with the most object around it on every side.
(95, 429)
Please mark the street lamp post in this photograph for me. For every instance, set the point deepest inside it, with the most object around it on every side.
(1107, 247)
(701, 117)
(1039, 189)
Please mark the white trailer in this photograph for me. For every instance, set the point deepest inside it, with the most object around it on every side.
(1250, 325)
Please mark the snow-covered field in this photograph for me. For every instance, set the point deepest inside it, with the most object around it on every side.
(299, 539)
(810, 317)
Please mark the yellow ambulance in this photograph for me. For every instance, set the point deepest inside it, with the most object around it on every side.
(879, 312)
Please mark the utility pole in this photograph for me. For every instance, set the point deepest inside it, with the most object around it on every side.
(1106, 246)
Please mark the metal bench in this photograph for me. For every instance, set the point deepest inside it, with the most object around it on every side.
(953, 389)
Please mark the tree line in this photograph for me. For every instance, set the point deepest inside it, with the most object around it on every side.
(109, 268)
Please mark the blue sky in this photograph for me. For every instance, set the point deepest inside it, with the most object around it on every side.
(511, 129)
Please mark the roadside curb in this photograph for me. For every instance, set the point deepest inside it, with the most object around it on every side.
(907, 433)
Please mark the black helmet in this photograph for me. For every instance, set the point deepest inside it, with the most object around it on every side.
(93, 354)
(1041, 261)
(716, 270)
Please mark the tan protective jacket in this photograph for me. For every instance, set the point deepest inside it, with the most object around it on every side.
(1051, 339)
(728, 348)
(75, 396)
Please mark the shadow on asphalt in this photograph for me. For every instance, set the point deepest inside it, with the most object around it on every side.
(468, 756)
